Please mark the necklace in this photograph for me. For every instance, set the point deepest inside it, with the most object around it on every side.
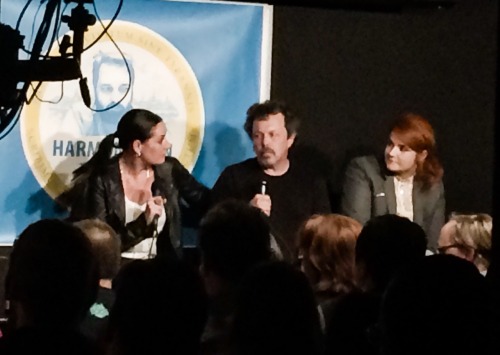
(128, 172)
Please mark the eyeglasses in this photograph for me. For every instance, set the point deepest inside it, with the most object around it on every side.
(445, 248)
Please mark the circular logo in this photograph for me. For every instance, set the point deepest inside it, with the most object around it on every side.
(133, 67)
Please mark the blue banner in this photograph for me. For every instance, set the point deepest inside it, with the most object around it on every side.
(199, 65)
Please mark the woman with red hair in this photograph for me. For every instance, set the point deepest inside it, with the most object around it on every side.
(406, 182)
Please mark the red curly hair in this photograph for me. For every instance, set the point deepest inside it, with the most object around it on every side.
(417, 133)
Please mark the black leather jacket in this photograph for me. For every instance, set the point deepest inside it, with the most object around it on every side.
(105, 200)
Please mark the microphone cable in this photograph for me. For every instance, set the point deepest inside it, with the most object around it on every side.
(155, 235)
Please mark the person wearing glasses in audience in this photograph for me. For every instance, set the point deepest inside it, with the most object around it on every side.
(468, 236)
(407, 181)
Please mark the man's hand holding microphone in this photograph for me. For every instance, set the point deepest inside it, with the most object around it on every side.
(262, 200)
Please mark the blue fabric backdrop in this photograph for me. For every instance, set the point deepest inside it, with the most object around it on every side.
(223, 44)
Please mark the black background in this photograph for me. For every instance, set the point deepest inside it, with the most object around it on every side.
(347, 73)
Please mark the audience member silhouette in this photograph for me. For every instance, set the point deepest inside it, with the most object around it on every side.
(385, 245)
(233, 238)
(160, 308)
(326, 249)
(51, 282)
(106, 247)
(276, 313)
(438, 305)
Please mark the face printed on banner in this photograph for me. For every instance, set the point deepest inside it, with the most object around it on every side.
(112, 85)
(271, 141)
(399, 158)
(111, 80)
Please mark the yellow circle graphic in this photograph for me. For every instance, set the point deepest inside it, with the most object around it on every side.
(59, 132)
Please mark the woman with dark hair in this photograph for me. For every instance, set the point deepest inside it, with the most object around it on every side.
(137, 191)
(407, 182)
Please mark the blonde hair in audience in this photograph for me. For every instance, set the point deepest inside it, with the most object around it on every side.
(474, 231)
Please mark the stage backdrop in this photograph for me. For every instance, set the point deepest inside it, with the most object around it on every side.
(198, 65)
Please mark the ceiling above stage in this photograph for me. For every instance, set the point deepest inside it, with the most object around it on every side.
(363, 5)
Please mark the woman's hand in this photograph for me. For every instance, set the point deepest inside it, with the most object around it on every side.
(154, 207)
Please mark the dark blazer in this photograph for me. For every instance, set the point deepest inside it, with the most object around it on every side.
(368, 191)
(106, 200)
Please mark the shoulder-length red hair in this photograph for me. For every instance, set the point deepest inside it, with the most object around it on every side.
(417, 133)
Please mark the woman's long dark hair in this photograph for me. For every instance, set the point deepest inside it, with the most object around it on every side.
(136, 124)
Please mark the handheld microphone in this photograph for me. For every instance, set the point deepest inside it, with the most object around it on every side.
(155, 221)
(263, 187)
(157, 216)
(155, 234)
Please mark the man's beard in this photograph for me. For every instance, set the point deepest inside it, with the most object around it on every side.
(105, 122)
(113, 114)
(266, 162)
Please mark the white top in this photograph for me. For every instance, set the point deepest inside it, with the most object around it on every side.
(404, 197)
(146, 249)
